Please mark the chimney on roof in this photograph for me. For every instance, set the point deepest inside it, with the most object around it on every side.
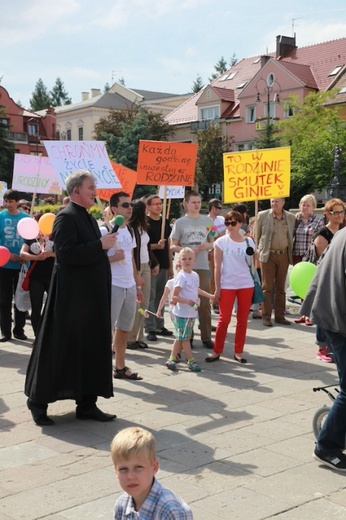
(95, 92)
(264, 60)
(285, 44)
(85, 96)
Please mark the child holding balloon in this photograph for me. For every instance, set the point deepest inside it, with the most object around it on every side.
(10, 267)
(39, 251)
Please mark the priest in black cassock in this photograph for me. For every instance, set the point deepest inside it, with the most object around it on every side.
(72, 356)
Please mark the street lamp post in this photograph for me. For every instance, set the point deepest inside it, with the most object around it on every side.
(337, 187)
(269, 88)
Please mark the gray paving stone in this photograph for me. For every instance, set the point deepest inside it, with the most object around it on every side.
(234, 441)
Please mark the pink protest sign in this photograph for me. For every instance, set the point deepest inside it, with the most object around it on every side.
(34, 174)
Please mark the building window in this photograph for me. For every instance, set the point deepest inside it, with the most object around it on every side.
(335, 71)
(210, 113)
(80, 133)
(5, 121)
(272, 110)
(288, 111)
(58, 135)
(68, 134)
(251, 114)
(32, 129)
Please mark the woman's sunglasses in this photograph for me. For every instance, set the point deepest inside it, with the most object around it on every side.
(232, 223)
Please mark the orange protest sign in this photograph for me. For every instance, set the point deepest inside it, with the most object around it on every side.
(127, 178)
(167, 163)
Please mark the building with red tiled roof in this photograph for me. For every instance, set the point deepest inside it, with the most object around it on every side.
(27, 129)
(257, 89)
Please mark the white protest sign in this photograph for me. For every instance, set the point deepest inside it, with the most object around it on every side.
(69, 156)
(173, 192)
(3, 188)
(34, 174)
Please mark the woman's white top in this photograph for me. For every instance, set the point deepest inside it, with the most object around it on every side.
(235, 273)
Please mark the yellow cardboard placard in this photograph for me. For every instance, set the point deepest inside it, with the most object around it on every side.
(257, 174)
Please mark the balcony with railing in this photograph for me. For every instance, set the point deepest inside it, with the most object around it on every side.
(18, 137)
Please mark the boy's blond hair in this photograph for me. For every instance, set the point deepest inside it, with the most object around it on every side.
(133, 441)
(185, 250)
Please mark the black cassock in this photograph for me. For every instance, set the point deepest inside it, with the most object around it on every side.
(72, 356)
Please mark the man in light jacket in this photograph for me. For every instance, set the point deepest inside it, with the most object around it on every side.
(275, 228)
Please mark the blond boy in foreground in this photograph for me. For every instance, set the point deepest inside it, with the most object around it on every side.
(133, 453)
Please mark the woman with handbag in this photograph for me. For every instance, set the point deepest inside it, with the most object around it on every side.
(233, 280)
(41, 256)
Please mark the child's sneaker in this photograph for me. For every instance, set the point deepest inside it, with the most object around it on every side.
(192, 365)
(170, 364)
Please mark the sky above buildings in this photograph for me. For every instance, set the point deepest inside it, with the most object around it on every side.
(159, 45)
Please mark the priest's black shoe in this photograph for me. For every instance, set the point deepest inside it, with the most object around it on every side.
(39, 415)
(3, 339)
(95, 414)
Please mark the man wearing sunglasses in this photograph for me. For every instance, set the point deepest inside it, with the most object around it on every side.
(275, 228)
(125, 285)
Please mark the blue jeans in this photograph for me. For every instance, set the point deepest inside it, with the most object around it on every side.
(331, 439)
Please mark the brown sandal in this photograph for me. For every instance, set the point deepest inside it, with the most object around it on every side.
(120, 373)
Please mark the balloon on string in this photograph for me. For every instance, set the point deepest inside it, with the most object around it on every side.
(46, 222)
(4, 255)
(28, 228)
(300, 277)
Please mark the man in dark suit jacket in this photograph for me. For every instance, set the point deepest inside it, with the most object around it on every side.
(274, 235)
(72, 356)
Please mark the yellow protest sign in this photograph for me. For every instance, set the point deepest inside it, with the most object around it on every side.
(257, 174)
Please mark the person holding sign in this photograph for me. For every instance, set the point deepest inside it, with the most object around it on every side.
(193, 230)
(275, 228)
(71, 358)
(160, 248)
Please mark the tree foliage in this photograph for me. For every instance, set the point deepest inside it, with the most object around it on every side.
(220, 68)
(6, 150)
(40, 97)
(59, 95)
(312, 132)
(197, 84)
(123, 130)
(211, 146)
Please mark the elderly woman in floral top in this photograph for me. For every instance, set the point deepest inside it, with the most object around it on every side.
(306, 227)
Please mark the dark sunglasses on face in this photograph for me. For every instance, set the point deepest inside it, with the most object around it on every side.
(336, 213)
(126, 205)
(218, 207)
(232, 223)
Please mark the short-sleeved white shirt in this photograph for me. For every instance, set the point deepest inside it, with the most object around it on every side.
(189, 283)
(235, 272)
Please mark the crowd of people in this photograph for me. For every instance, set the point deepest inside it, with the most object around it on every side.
(106, 285)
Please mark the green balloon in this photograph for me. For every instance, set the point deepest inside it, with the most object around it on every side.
(300, 277)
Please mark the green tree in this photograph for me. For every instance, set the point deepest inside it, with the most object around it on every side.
(6, 150)
(197, 84)
(220, 68)
(123, 130)
(211, 146)
(106, 87)
(312, 132)
(233, 60)
(40, 97)
(58, 94)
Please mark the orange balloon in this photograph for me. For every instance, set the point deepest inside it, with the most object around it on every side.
(46, 222)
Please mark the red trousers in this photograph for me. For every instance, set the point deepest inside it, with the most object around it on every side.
(226, 302)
